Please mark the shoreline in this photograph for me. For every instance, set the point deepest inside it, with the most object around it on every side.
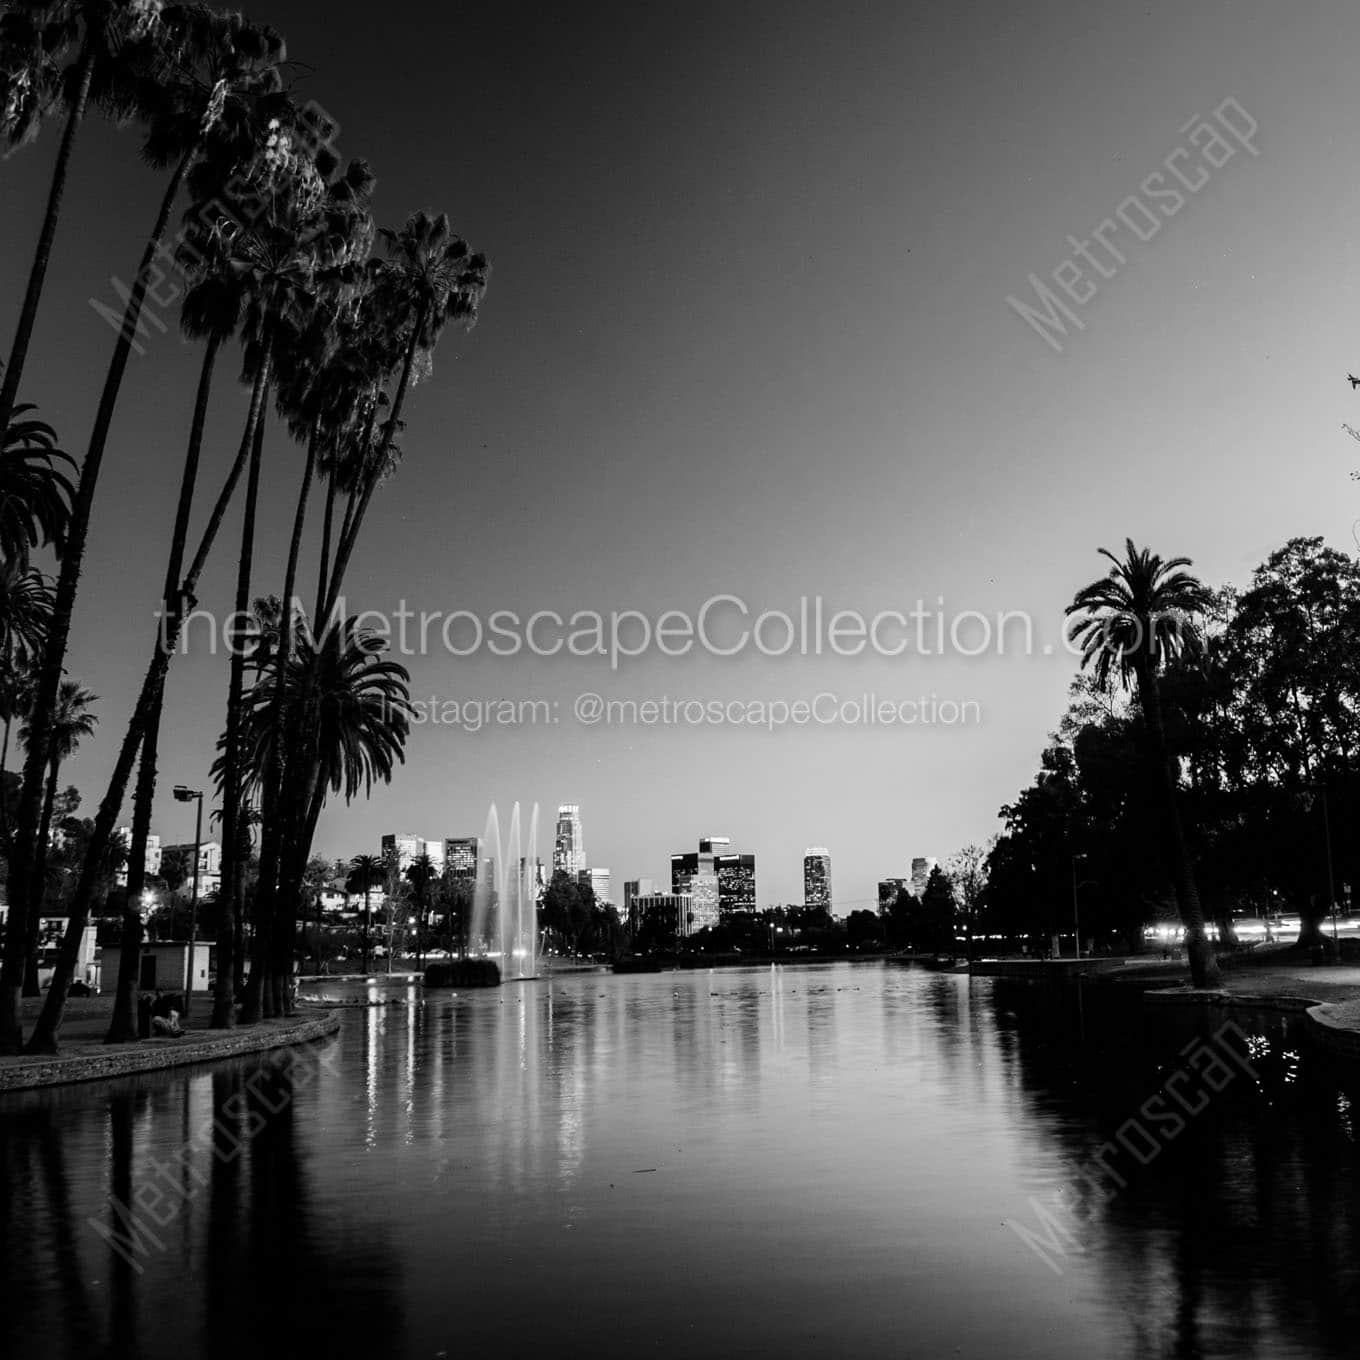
(27, 1072)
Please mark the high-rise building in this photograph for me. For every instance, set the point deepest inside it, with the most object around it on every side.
(461, 854)
(435, 851)
(598, 880)
(404, 848)
(920, 873)
(889, 889)
(817, 877)
(633, 888)
(736, 881)
(696, 876)
(569, 850)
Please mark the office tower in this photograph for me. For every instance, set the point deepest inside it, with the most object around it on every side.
(696, 875)
(736, 872)
(920, 873)
(817, 877)
(633, 888)
(461, 854)
(435, 851)
(888, 890)
(404, 848)
(569, 851)
(598, 880)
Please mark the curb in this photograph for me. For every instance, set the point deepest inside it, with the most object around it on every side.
(152, 1055)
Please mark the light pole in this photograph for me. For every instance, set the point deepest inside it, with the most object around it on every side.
(186, 795)
(1076, 915)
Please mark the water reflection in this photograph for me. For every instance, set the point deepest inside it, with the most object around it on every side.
(783, 1160)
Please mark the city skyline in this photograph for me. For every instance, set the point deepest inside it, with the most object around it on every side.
(873, 370)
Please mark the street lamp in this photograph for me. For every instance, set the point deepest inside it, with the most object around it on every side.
(187, 795)
(1076, 915)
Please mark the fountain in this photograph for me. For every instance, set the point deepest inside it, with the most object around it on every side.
(505, 901)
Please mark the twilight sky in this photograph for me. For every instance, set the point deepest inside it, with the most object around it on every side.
(747, 333)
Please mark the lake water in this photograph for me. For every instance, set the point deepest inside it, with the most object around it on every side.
(785, 1162)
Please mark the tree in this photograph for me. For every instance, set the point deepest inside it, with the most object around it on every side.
(366, 872)
(1128, 624)
(113, 44)
(196, 106)
(421, 874)
(73, 721)
(967, 871)
(35, 490)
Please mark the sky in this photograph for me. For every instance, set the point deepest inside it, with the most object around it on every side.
(747, 333)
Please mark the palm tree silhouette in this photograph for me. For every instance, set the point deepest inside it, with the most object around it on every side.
(365, 871)
(35, 492)
(1129, 624)
(72, 722)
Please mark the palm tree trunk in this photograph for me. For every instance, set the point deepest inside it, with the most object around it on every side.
(1203, 964)
(31, 987)
(123, 1022)
(271, 854)
(37, 274)
(231, 777)
(44, 1038)
(24, 888)
(326, 526)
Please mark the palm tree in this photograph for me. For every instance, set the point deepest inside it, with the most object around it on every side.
(35, 492)
(1130, 623)
(73, 721)
(349, 717)
(214, 77)
(210, 311)
(111, 42)
(430, 280)
(25, 607)
(365, 871)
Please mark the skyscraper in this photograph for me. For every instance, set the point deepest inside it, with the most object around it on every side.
(736, 881)
(817, 877)
(569, 850)
(598, 880)
(696, 875)
(461, 854)
(920, 873)
(404, 848)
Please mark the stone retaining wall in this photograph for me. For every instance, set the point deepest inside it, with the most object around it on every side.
(151, 1055)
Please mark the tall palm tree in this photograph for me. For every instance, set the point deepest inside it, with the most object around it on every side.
(210, 312)
(213, 80)
(1130, 623)
(55, 53)
(365, 871)
(35, 492)
(73, 721)
(429, 281)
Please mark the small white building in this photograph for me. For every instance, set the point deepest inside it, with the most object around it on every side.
(163, 962)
